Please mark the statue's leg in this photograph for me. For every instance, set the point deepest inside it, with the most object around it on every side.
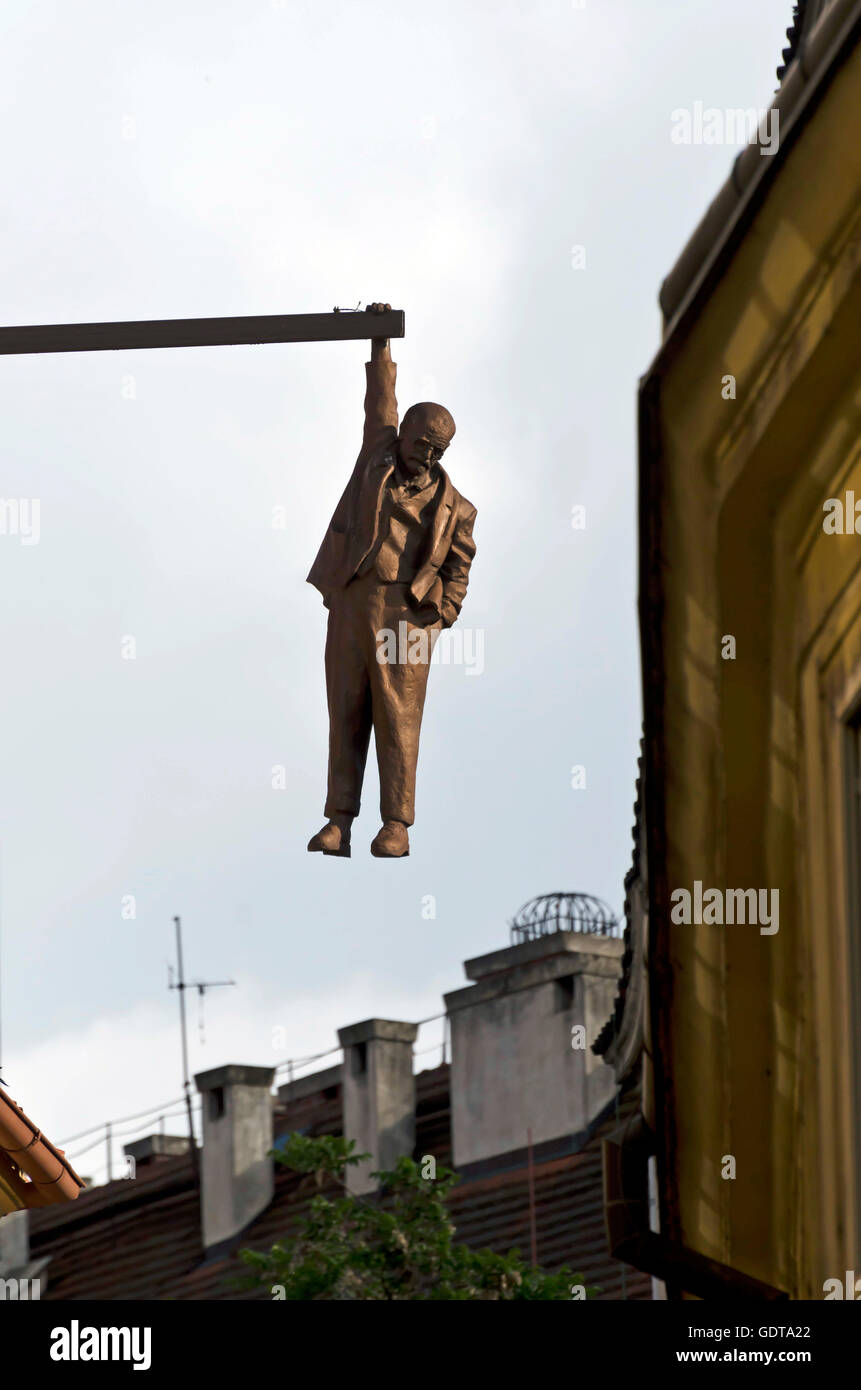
(398, 689)
(349, 696)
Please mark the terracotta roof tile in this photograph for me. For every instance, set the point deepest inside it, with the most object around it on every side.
(33, 1173)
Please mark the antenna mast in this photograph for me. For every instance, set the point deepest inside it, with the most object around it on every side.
(182, 985)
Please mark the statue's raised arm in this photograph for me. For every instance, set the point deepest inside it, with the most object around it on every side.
(381, 406)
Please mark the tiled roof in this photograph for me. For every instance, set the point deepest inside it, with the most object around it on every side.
(793, 34)
(130, 1239)
(805, 15)
(33, 1173)
(569, 1217)
(613, 1028)
(141, 1239)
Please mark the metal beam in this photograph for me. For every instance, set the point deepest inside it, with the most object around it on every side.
(166, 333)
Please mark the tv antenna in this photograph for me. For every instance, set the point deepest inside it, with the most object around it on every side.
(181, 984)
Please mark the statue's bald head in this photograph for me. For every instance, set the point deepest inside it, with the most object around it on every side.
(426, 431)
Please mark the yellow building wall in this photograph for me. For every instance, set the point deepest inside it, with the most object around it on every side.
(758, 1032)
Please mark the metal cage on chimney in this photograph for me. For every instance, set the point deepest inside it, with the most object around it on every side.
(555, 912)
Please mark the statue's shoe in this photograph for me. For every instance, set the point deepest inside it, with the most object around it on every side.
(392, 841)
(331, 840)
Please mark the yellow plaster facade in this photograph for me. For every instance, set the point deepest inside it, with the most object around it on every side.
(756, 1037)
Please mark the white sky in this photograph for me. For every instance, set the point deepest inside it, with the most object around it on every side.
(240, 157)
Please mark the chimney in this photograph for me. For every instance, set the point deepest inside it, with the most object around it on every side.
(326, 1082)
(378, 1096)
(15, 1261)
(237, 1176)
(521, 1040)
(153, 1150)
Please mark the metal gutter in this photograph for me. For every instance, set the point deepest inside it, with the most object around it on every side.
(32, 1172)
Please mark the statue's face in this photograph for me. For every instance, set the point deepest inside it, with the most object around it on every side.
(425, 434)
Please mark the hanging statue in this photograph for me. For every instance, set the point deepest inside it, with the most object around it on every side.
(395, 560)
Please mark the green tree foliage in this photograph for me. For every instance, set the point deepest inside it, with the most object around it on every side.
(398, 1245)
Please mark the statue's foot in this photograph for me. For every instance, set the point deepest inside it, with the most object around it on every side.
(392, 841)
(331, 840)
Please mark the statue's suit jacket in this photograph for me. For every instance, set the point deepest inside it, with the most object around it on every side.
(443, 573)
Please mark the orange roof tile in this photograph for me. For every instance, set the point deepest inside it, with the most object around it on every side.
(32, 1172)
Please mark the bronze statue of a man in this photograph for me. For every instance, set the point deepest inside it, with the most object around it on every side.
(397, 551)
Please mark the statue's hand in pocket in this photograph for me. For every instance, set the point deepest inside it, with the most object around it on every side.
(427, 616)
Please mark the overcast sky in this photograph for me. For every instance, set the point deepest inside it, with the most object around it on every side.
(193, 158)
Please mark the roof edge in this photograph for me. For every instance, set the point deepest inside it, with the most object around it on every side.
(809, 73)
(25, 1151)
